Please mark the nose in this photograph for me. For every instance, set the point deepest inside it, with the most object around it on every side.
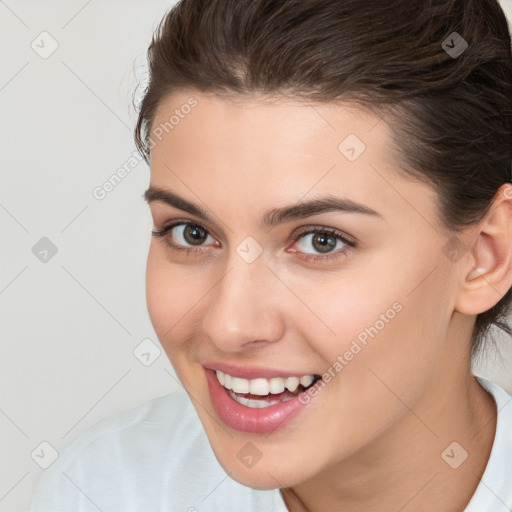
(242, 312)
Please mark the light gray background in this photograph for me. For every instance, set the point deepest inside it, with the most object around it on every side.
(70, 324)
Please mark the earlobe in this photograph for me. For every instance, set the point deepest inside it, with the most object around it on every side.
(487, 269)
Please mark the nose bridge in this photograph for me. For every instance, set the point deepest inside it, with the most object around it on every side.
(240, 306)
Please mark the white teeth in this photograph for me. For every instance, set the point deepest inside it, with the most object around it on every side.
(239, 385)
(292, 383)
(276, 385)
(259, 387)
(306, 380)
(263, 387)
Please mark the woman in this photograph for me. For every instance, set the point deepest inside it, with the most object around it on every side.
(331, 198)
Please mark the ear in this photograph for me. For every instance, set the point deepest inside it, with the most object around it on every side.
(487, 268)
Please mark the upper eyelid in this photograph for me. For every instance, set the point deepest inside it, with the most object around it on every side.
(340, 235)
(167, 226)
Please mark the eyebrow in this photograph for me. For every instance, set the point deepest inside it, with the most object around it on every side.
(272, 217)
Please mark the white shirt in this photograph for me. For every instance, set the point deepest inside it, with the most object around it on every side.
(156, 457)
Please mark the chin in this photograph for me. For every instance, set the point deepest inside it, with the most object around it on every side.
(263, 475)
(261, 479)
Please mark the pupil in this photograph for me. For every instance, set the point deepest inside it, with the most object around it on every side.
(194, 234)
(324, 242)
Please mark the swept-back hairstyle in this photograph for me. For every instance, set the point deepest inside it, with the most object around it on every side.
(438, 71)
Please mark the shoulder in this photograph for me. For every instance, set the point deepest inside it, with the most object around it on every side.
(122, 458)
(160, 421)
(495, 489)
(155, 456)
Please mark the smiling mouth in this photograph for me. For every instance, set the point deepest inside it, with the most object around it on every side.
(260, 392)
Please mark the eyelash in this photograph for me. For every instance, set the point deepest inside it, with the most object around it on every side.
(197, 250)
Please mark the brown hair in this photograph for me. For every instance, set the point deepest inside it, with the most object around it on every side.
(449, 106)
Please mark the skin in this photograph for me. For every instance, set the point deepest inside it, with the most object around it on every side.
(372, 438)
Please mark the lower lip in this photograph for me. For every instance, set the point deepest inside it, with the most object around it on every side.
(248, 419)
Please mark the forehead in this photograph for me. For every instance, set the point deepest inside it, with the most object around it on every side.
(264, 133)
(262, 116)
(277, 150)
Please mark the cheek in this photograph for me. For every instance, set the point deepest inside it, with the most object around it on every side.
(400, 357)
(350, 309)
(360, 324)
(393, 322)
(170, 294)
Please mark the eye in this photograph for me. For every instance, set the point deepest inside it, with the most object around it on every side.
(190, 237)
(324, 241)
(192, 234)
(180, 233)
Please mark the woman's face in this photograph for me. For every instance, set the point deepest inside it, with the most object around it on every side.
(273, 299)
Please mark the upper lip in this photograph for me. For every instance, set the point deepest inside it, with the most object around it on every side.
(251, 372)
